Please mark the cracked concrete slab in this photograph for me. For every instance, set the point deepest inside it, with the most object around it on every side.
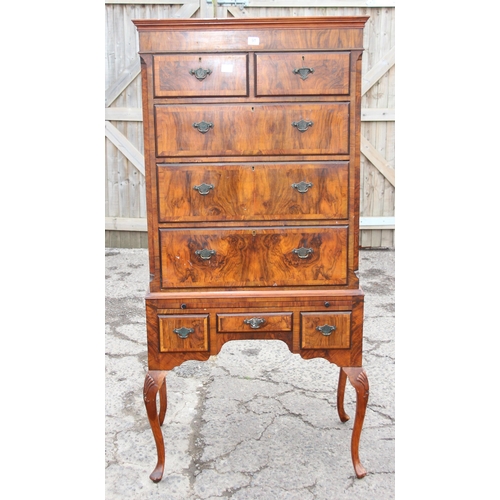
(254, 422)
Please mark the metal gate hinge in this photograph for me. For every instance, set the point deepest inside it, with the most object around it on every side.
(232, 3)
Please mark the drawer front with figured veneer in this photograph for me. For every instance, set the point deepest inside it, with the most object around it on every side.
(244, 323)
(183, 333)
(218, 192)
(302, 73)
(200, 75)
(248, 130)
(325, 330)
(231, 257)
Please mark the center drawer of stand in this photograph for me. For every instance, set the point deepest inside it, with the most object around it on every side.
(252, 129)
(248, 322)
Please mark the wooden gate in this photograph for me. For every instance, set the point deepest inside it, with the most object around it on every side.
(125, 190)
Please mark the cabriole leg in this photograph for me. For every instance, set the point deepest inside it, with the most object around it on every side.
(340, 396)
(154, 382)
(359, 380)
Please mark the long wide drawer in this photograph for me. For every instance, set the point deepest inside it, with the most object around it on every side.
(258, 256)
(252, 129)
(219, 192)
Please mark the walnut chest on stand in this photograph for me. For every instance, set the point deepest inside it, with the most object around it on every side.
(251, 144)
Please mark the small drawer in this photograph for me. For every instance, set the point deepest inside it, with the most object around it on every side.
(325, 330)
(200, 75)
(183, 333)
(303, 73)
(264, 322)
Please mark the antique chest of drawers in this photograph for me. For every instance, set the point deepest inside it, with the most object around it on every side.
(251, 143)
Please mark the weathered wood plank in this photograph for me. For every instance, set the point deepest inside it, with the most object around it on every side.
(123, 114)
(377, 222)
(378, 115)
(123, 81)
(378, 71)
(378, 161)
(125, 146)
(187, 10)
(236, 12)
(126, 223)
(148, 2)
(313, 3)
(272, 3)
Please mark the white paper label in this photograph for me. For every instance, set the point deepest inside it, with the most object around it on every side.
(226, 68)
(253, 40)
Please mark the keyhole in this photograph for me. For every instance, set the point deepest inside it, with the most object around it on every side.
(253, 168)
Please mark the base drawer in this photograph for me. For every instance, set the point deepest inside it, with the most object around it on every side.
(267, 322)
(183, 333)
(325, 330)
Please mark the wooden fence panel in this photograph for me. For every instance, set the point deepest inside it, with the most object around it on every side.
(125, 190)
(125, 183)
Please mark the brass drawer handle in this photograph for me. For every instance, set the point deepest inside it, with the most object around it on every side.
(302, 125)
(254, 322)
(200, 73)
(302, 186)
(204, 188)
(326, 330)
(303, 253)
(303, 72)
(205, 254)
(203, 126)
(183, 332)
